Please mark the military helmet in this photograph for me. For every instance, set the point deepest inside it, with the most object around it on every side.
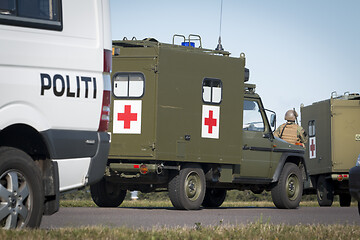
(291, 115)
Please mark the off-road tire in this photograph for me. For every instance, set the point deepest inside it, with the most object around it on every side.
(107, 194)
(21, 189)
(214, 197)
(324, 192)
(345, 199)
(288, 191)
(187, 188)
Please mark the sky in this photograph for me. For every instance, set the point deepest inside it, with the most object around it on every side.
(297, 51)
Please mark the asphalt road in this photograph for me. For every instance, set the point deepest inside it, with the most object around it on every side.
(148, 218)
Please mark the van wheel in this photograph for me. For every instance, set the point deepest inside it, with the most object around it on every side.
(187, 189)
(345, 200)
(21, 190)
(214, 197)
(107, 194)
(288, 191)
(325, 193)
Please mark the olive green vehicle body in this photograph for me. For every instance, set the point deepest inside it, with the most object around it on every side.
(334, 146)
(172, 122)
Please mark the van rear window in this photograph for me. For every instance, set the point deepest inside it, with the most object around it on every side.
(128, 85)
(212, 90)
(44, 14)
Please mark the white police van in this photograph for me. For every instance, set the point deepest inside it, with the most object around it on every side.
(55, 64)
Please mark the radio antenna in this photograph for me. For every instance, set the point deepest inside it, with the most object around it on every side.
(219, 47)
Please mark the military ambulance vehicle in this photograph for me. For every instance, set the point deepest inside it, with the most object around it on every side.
(333, 127)
(184, 121)
(55, 61)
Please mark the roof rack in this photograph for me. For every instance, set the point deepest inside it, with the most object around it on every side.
(346, 96)
(188, 44)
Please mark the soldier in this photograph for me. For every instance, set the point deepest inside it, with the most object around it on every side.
(290, 131)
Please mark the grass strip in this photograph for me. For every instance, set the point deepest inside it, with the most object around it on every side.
(256, 230)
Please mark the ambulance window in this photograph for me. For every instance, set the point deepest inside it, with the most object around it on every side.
(312, 128)
(128, 85)
(252, 118)
(44, 14)
(212, 90)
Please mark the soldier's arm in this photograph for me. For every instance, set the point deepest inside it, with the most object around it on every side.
(302, 135)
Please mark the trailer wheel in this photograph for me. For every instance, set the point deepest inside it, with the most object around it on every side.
(187, 189)
(288, 191)
(325, 193)
(214, 197)
(21, 190)
(345, 200)
(107, 194)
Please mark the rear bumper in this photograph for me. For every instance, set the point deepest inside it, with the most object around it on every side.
(354, 182)
(65, 146)
(99, 161)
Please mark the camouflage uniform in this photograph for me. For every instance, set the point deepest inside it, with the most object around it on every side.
(291, 133)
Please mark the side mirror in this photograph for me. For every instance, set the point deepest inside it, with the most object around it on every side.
(272, 118)
(273, 121)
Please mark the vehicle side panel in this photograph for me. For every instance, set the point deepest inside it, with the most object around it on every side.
(180, 105)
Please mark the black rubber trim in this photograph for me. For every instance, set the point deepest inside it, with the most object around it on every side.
(99, 161)
(40, 24)
(264, 149)
(289, 150)
(64, 144)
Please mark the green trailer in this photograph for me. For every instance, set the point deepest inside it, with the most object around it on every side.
(184, 120)
(333, 127)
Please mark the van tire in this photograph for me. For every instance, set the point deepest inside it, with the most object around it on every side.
(187, 188)
(345, 199)
(288, 191)
(214, 197)
(21, 183)
(324, 192)
(107, 194)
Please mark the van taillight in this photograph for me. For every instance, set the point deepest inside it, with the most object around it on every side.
(107, 60)
(105, 112)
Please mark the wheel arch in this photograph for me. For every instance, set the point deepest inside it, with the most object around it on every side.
(297, 159)
(25, 138)
(30, 141)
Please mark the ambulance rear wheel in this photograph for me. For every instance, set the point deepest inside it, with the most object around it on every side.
(214, 197)
(107, 194)
(345, 200)
(288, 191)
(325, 192)
(187, 188)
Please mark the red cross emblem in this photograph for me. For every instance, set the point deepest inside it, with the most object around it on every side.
(127, 116)
(210, 121)
(312, 147)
